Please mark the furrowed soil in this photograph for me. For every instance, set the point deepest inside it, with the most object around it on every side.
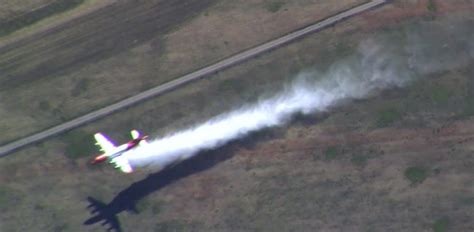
(13, 8)
(400, 160)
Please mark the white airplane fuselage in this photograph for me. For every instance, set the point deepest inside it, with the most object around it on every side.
(113, 153)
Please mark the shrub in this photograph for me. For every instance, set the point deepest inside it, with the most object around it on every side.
(44, 105)
(9, 197)
(431, 6)
(387, 117)
(81, 86)
(79, 144)
(169, 226)
(416, 174)
(440, 95)
(274, 6)
(359, 160)
(441, 225)
(330, 153)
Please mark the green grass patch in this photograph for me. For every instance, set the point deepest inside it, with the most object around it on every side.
(468, 109)
(274, 6)
(9, 198)
(331, 153)
(468, 100)
(81, 86)
(4, 197)
(388, 117)
(468, 201)
(416, 174)
(44, 105)
(79, 144)
(61, 227)
(234, 86)
(143, 205)
(157, 207)
(32, 17)
(359, 160)
(431, 6)
(169, 226)
(440, 95)
(441, 225)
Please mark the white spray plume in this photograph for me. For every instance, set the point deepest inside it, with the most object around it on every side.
(355, 77)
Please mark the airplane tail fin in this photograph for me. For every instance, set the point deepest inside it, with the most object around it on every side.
(135, 134)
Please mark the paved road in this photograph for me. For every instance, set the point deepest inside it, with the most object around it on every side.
(10, 147)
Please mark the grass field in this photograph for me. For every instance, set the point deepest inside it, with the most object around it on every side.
(13, 8)
(398, 161)
(15, 23)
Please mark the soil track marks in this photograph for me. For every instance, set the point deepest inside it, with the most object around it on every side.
(99, 35)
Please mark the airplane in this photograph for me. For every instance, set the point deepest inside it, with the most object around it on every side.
(114, 154)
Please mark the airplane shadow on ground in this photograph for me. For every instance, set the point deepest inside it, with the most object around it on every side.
(126, 200)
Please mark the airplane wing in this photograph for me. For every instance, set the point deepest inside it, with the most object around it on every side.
(122, 163)
(104, 143)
